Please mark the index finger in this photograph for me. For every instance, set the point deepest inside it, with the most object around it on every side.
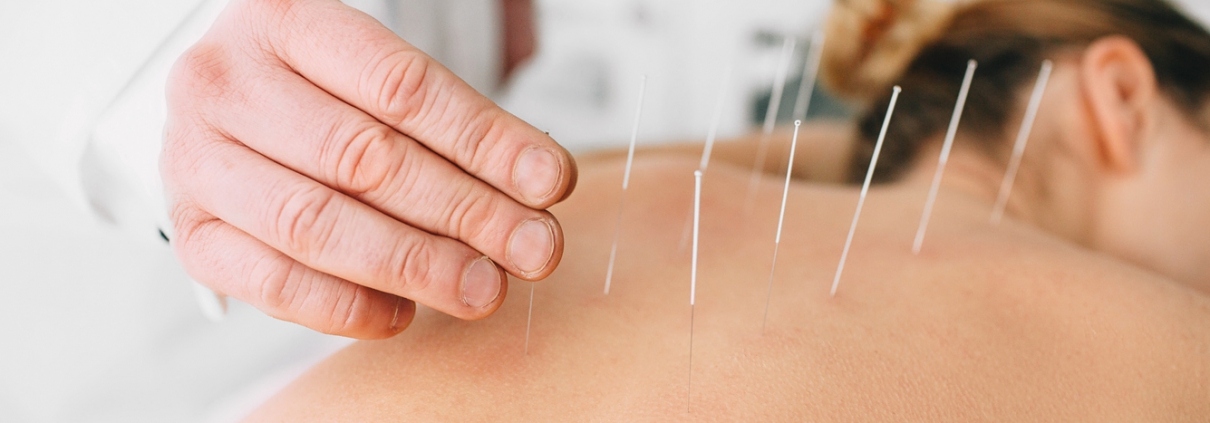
(364, 64)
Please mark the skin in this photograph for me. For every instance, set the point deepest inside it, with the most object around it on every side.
(1018, 322)
(327, 172)
(822, 156)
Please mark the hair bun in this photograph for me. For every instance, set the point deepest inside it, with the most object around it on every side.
(871, 42)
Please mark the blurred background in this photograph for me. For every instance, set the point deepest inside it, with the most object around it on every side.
(101, 325)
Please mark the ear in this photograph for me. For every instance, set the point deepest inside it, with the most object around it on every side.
(1120, 91)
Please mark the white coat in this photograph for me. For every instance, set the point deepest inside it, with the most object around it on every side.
(99, 325)
(82, 87)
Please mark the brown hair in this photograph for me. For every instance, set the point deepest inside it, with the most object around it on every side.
(1009, 39)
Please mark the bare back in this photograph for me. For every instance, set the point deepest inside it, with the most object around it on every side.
(985, 324)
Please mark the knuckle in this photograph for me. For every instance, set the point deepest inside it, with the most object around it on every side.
(413, 270)
(278, 293)
(197, 244)
(347, 313)
(184, 150)
(183, 164)
(204, 71)
(305, 219)
(407, 179)
(402, 84)
(189, 226)
(412, 90)
(294, 292)
(401, 180)
(184, 221)
(297, 293)
(471, 216)
(471, 149)
(363, 162)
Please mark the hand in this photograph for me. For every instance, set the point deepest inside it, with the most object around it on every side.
(325, 171)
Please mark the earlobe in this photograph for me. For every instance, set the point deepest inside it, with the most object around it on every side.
(1120, 91)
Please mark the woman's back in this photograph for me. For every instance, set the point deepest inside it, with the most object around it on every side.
(985, 324)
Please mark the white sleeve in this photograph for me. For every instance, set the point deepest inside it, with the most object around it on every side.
(85, 95)
(120, 163)
(68, 63)
(120, 166)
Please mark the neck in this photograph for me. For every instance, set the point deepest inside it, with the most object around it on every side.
(968, 174)
(976, 178)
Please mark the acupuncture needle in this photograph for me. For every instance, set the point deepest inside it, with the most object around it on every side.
(634, 136)
(780, 219)
(530, 318)
(810, 73)
(865, 188)
(950, 134)
(779, 88)
(697, 213)
(716, 120)
(711, 136)
(801, 105)
(1031, 113)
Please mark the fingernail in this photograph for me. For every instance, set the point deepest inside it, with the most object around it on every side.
(536, 174)
(531, 246)
(395, 317)
(481, 284)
